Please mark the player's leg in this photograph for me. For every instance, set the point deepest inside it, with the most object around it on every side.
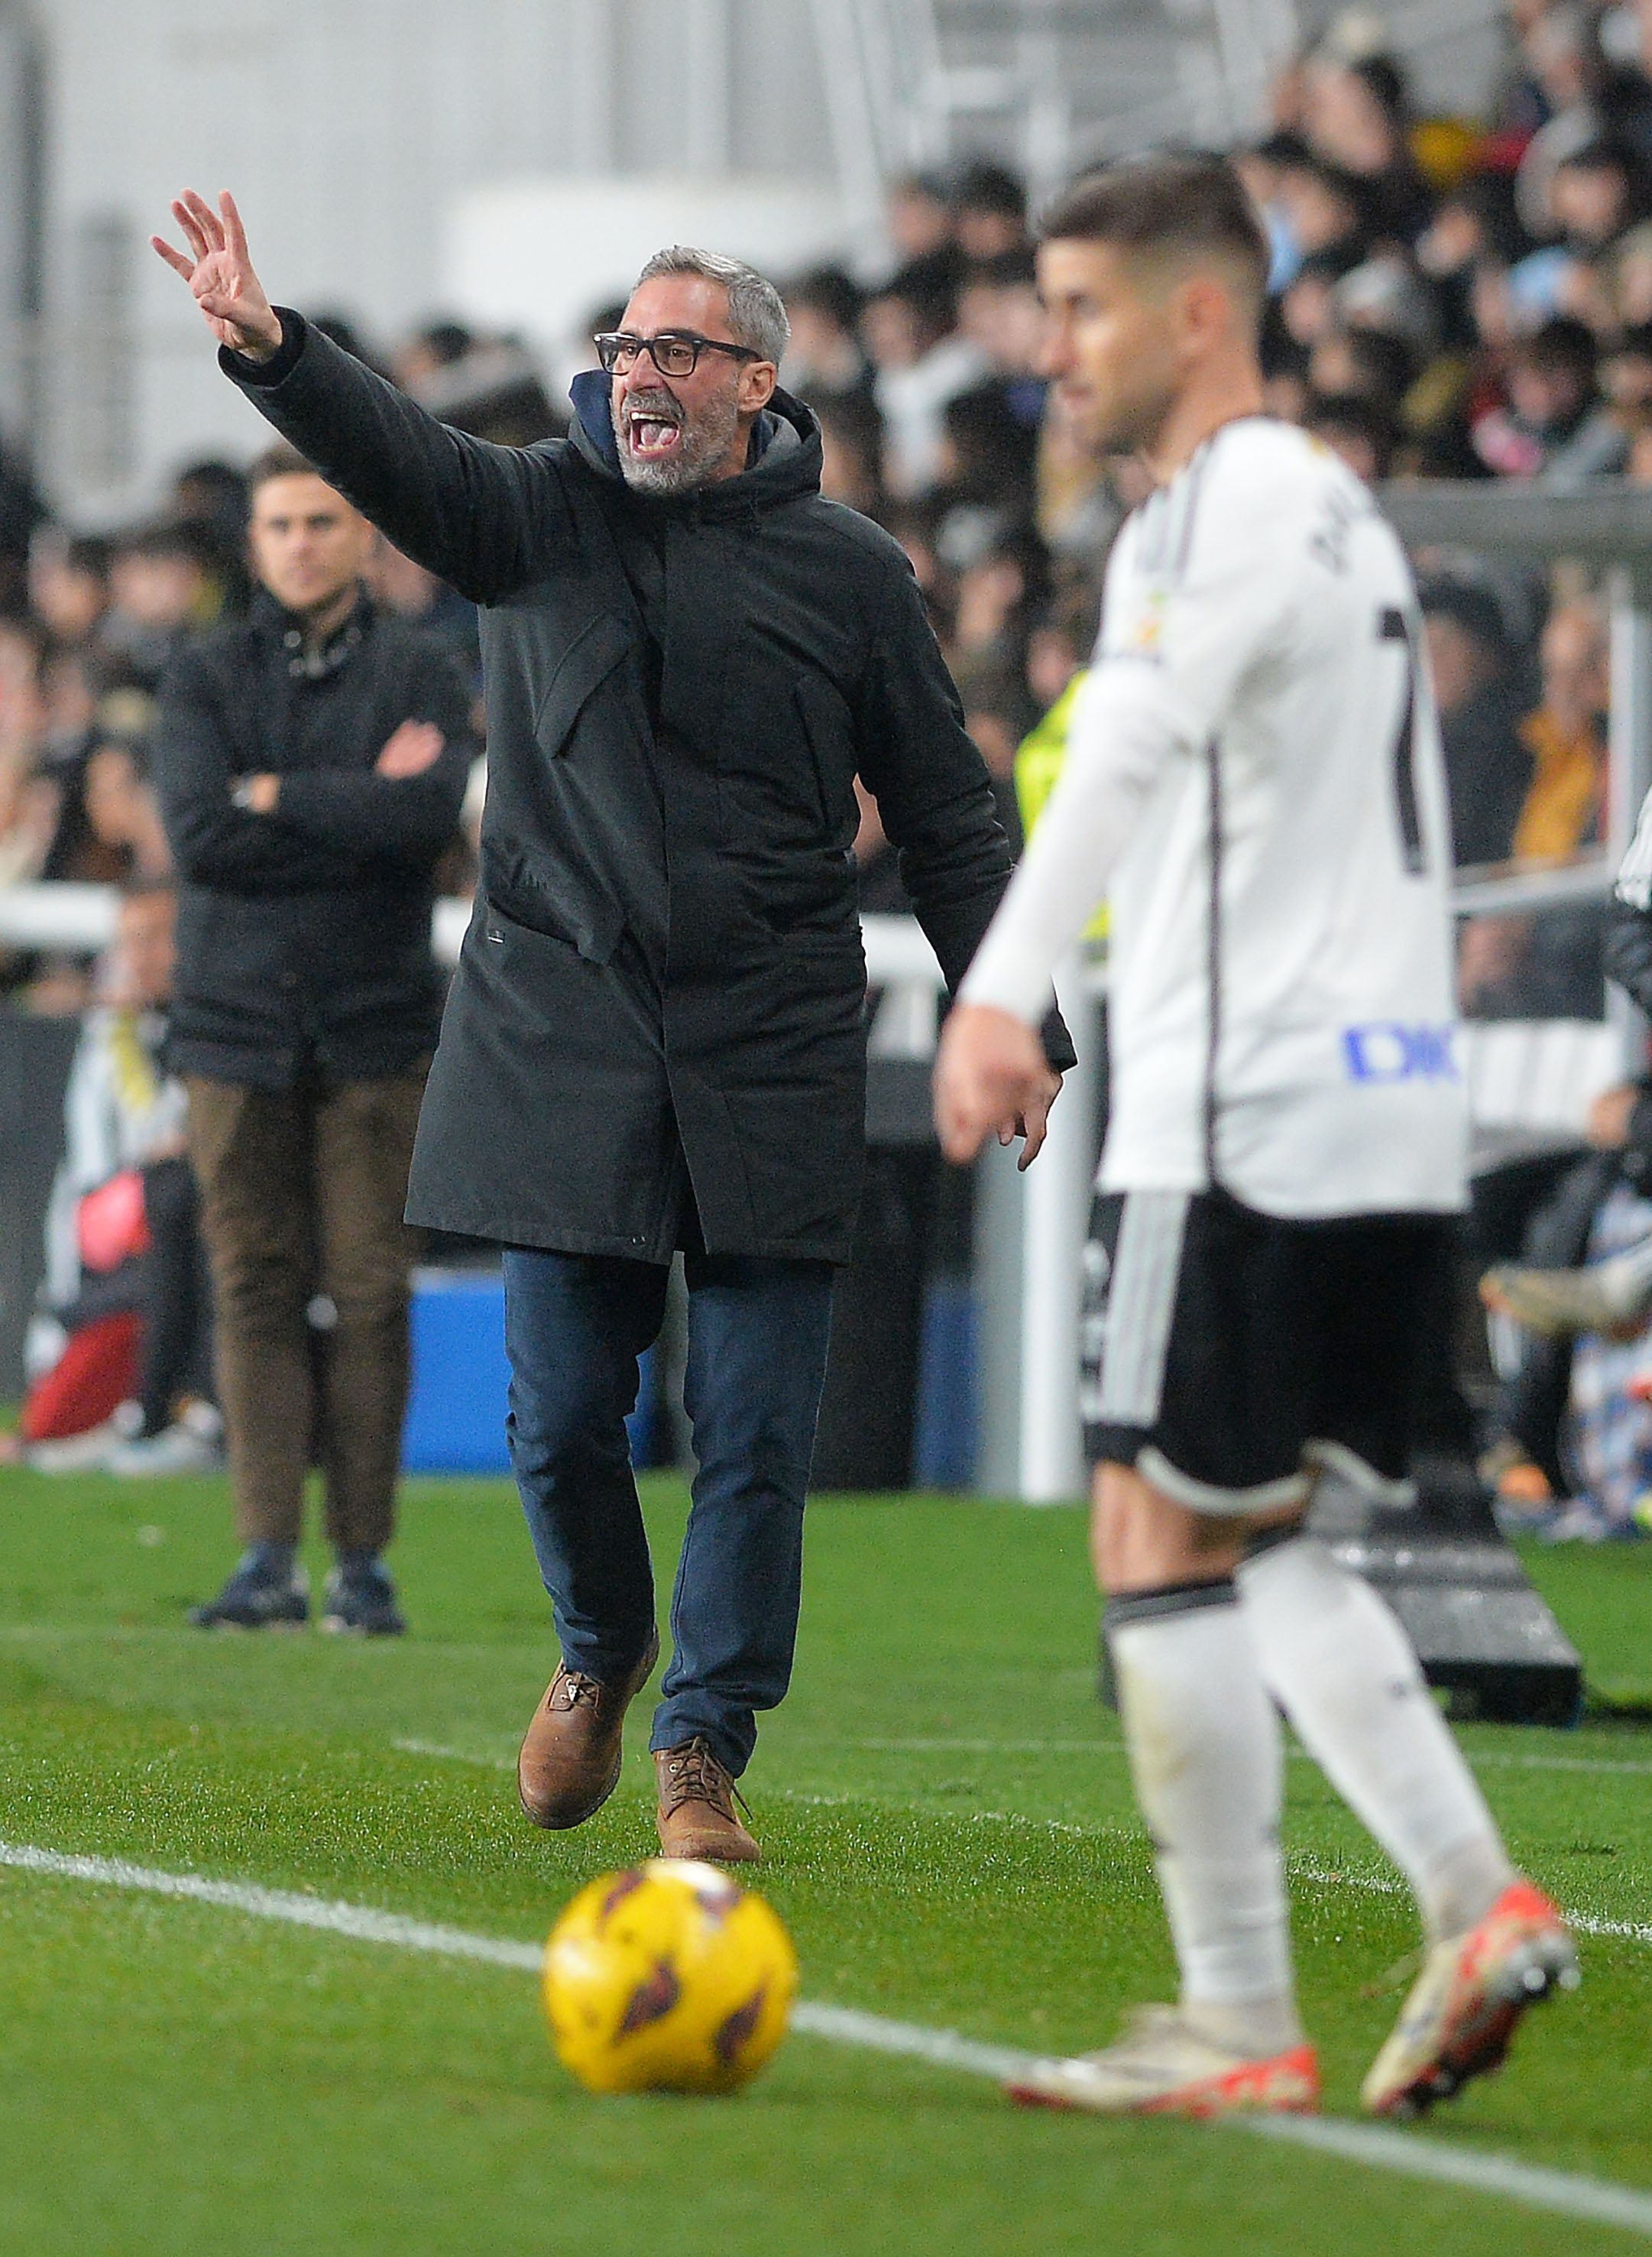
(1175, 1380)
(757, 1333)
(1338, 1663)
(575, 1327)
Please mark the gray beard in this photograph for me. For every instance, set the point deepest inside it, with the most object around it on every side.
(702, 446)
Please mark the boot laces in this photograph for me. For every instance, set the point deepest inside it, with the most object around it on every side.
(571, 1688)
(693, 1774)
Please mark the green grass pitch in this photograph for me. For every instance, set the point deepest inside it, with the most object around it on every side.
(950, 1838)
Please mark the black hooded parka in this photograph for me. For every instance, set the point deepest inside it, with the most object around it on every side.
(664, 966)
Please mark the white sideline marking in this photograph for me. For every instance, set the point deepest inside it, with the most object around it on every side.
(1596, 2199)
(360, 1922)
(1571, 2197)
(453, 1755)
(1384, 1885)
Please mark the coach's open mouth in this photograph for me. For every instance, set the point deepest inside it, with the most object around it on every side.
(653, 437)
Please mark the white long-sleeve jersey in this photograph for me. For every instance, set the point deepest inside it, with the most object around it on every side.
(1254, 780)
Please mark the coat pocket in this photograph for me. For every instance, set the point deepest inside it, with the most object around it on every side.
(554, 902)
(583, 666)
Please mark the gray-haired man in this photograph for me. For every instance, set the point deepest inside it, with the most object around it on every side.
(655, 1043)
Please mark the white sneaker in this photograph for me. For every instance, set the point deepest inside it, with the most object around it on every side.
(194, 1444)
(88, 1450)
(1164, 2068)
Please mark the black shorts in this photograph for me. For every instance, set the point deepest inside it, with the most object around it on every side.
(1227, 1354)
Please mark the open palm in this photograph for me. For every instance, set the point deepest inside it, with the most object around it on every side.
(219, 271)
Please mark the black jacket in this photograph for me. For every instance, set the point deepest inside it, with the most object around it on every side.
(304, 936)
(664, 962)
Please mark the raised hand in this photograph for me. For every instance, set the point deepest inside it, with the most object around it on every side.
(219, 274)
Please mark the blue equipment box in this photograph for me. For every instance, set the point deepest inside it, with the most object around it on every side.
(457, 1402)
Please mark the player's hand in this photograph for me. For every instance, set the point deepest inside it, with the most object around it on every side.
(412, 748)
(1032, 1123)
(220, 273)
(990, 1077)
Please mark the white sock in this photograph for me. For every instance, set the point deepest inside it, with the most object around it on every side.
(1344, 1672)
(1205, 1754)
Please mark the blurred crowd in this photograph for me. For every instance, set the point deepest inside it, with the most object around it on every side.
(1457, 298)
(1462, 298)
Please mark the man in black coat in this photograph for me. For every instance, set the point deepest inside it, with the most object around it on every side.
(655, 1040)
(311, 761)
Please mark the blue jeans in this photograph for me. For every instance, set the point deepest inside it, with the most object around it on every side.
(574, 1325)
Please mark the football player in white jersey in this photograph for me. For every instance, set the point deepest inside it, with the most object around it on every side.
(1254, 780)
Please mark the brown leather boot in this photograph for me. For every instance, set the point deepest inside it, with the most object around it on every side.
(570, 1756)
(696, 1817)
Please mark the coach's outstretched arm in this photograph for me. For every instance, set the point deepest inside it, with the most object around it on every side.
(480, 516)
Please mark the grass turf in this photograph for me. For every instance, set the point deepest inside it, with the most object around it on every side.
(951, 1837)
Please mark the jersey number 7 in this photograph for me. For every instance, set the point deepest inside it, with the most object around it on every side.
(1394, 626)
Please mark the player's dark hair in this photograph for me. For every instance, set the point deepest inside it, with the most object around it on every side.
(1158, 203)
(283, 460)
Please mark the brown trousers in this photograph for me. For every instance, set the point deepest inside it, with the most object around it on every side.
(302, 1194)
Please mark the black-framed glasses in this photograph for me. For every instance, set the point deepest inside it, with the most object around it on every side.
(673, 353)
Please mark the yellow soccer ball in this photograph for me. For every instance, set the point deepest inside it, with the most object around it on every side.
(669, 1976)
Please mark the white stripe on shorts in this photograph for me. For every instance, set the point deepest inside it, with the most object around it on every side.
(1140, 1303)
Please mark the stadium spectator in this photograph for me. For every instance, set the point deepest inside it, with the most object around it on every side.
(210, 496)
(1321, 214)
(1599, 1215)
(120, 1352)
(1355, 117)
(1571, 1446)
(918, 216)
(911, 334)
(121, 813)
(312, 760)
(1551, 420)
(427, 352)
(999, 313)
(30, 804)
(68, 585)
(654, 1040)
(1477, 687)
(1550, 966)
(400, 585)
(1566, 736)
(165, 584)
(1361, 429)
(851, 450)
(825, 359)
(213, 493)
(989, 210)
